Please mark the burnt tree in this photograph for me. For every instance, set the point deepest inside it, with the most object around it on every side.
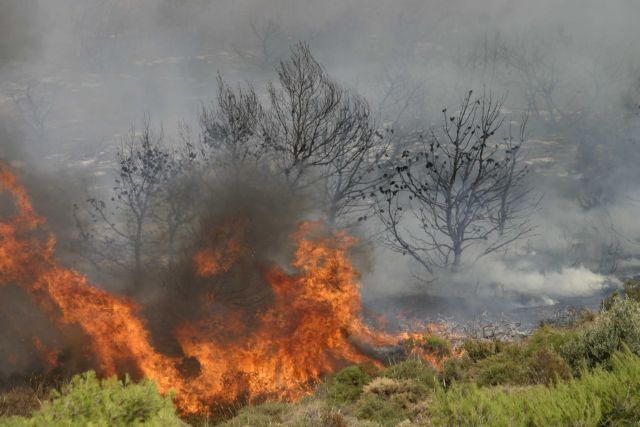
(457, 188)
(231, 128)
(120, 230)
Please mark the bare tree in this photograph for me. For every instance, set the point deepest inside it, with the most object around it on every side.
(272, 42)
(231, 128)
(537, 72)
(352, 176)
(317, 132)
(125, 222)
(310, 118)
(177, 202)
(35, 105)
(456, 188)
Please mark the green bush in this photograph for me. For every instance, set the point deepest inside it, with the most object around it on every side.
(374, 408)
(87, 400)
(631, 290)
(455, 370)
(547, 337)
(346, 386)
(617, 326)
(547, 367)
(599, 397)
(479, 349)
(501, 363)
(265, 415)
(412, 369)
(507, 367)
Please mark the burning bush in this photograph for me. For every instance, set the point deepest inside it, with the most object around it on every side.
(309, 324)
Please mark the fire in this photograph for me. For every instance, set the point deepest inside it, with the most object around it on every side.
(225, 248)
(312, 326)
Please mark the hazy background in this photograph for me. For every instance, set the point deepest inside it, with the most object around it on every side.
(76, 74)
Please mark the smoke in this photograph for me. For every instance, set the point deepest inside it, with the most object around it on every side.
(496, 277)
(94, 67)
(241, 227)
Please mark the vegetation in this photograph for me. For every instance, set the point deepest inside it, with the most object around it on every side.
(566, 375)
(86, 400)
(587, 374)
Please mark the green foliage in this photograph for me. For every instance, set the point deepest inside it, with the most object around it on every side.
(599, 397)
(346, 386)
(547, 337)
(617, 326)
(455, 370)
(412, 369)
(375, 408)
(547, 367)
(388, 401)
(479, 349)
(87, 400)
(510, 366)
(631, 290)
(266, 414)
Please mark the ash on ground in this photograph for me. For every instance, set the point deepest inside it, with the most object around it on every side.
(506, 317)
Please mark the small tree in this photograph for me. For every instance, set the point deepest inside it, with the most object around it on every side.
(310, 118)
(230, 128)
(460, 188)
(124, 222)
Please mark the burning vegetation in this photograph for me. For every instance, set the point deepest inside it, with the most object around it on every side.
(312, 324)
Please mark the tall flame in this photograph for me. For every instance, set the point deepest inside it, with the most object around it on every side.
(309, 329)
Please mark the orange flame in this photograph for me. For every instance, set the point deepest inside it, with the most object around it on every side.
(310, 329)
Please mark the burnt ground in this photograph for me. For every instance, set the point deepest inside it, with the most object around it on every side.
(507, 315)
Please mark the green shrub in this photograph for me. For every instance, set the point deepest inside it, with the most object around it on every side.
(346, 386)
(403, 393)
(374, 408)
(547, 367)
(547, 337)
(599, 397)
(412, 369)
(265, 415)
(616, 326)
(87, 400)
(479, 349)
(631, 290)
(532, 362)
(508, 367)
(455, 370)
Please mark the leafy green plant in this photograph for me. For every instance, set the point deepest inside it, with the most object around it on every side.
(616, 326)
(547, 367)
(374, 408)
(479, 349)
(86, 400)
(599, 397)
(346, 386)
(413, 369)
